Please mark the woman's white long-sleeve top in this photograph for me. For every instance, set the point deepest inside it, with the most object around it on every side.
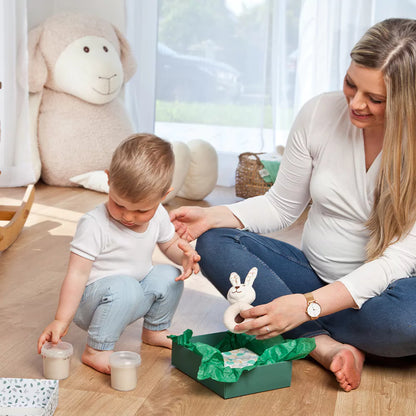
(324, 160)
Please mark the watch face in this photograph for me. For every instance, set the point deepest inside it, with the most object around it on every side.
(314, 310)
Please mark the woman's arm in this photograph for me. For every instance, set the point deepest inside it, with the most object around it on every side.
(192, 221)
(278, 208)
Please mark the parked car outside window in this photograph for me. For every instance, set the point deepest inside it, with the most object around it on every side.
(183, 77)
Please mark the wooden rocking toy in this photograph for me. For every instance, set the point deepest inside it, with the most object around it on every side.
(17, 217)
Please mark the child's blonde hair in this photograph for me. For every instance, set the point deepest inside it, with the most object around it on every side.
(141, 167)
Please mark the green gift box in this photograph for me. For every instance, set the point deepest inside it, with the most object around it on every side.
(201, 358)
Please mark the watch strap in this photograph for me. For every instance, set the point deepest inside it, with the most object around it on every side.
(310, 299)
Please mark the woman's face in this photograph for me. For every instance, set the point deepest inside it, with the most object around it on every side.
(365, 91)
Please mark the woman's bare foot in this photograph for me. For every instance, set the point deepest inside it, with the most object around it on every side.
(99, 360)
(345, 361)
(157, 338)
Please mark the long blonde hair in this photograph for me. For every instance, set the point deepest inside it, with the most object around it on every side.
(390, 46)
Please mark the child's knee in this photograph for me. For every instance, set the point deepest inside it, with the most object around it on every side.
(127, 291)
(162, 281)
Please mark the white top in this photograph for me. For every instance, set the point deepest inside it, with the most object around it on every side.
(324, 160)
(114, 248)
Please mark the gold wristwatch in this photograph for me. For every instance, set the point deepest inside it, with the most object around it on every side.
(313, 308)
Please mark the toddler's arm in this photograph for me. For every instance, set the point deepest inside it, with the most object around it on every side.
(71, 292)
(181, 252)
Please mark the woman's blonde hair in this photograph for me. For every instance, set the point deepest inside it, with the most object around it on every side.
(142, 167)
(390, 46)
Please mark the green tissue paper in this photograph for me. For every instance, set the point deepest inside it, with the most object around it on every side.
(269, 351)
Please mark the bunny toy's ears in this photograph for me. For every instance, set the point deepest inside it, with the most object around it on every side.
(235, 278)
(251, 276)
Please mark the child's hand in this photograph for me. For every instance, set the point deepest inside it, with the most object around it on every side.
(190, 260)
(53, 333)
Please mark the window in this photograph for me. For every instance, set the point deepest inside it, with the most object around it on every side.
(213, 77)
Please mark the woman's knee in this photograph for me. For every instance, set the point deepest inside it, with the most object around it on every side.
(212, 240)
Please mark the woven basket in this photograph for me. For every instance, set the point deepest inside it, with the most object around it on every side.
(248, 181)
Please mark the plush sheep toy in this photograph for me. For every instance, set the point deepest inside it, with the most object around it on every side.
(78, 65)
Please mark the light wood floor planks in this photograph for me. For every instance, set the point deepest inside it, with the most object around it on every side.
(31, 271)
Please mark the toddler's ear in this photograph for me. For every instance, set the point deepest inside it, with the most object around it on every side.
(167, 193)
(108, 175)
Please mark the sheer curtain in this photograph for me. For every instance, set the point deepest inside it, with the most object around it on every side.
(141, 30)
(327, 32)
(16, 160)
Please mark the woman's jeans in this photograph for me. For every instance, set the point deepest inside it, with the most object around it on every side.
(385, 325)
(110, 304)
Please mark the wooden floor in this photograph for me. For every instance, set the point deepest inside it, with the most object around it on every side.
(31, 271)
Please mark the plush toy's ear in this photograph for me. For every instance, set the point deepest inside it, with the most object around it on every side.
(38, 71)
(126, 56)
(235, 279)
(250, 277)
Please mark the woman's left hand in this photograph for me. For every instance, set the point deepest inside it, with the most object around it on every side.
(275, 317)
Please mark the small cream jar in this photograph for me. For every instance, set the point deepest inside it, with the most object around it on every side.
(124, 365)
(56, 360)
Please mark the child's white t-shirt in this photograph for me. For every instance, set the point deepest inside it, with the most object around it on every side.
(114, 248)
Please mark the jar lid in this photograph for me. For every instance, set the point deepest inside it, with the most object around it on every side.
(60, 350)
(125, 359)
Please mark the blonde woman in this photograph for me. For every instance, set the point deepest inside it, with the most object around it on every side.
(352, 285)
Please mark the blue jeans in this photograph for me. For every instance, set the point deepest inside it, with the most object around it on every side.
(384, 326)
(110, 304)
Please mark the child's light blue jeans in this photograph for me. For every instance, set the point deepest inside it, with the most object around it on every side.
(110, 304)
(384, 326)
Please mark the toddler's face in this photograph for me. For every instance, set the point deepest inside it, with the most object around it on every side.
(136, 215)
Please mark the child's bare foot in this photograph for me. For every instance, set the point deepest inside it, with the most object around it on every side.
(156, 338)
(99, 360)
(345, 361)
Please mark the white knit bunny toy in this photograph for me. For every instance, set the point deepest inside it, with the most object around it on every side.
(240, 295)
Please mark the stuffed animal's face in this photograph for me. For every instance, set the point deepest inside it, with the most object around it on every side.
(90, 68)
(79, 55)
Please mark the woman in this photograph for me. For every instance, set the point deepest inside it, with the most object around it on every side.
(352, 285)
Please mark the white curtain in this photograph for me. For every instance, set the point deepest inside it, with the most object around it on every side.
(328, 29)
(327, 32)
(16, 148)
(141, 30)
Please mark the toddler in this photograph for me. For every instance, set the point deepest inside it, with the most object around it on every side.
(111, 281)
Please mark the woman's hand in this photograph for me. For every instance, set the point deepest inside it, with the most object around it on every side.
(191, 222)
(275, 317)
